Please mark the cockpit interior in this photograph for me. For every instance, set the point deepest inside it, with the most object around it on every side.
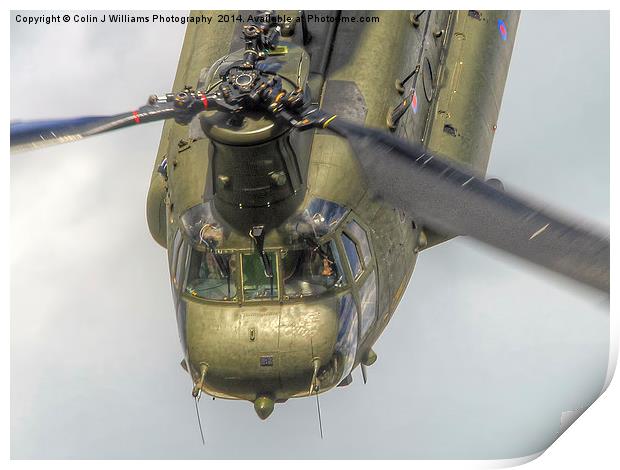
(325, 251)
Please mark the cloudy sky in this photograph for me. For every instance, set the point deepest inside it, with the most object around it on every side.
(482, 357)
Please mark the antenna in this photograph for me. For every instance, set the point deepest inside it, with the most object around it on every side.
(197, 393)
(202, 436)
(314, 385)
(364, 376)
(318, 409)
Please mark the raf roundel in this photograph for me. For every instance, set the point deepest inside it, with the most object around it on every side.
(503, 32)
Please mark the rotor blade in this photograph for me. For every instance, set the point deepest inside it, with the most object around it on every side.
(449, 199)
(33, 134)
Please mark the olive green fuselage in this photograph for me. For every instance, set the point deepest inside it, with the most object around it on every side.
(279, 345)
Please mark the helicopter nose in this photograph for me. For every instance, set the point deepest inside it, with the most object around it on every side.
(265, 354)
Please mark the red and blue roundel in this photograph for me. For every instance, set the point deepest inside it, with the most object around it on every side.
(414, 102)
(503, 32)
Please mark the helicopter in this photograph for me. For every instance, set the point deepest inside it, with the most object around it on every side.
(249, 233)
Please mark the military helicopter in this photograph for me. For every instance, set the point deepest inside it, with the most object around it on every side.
(280, 283)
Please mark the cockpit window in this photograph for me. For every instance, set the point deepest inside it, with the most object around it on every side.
(200, 225)
(212, 276)
(362, 240)
(325, 216)
(180, 263)
(311, 269)
(303, 260)
(257, 285)
(319, 218)
(368, 301)
(351, 250)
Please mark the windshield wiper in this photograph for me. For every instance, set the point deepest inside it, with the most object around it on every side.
(222, 264)
(257, 234)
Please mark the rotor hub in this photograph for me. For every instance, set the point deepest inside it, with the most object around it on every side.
(243, 80)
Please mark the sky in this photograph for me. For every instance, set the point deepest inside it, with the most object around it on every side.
(482, 357)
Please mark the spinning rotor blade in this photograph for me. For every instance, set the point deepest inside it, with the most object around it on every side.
(452, 201)
(33, 134)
